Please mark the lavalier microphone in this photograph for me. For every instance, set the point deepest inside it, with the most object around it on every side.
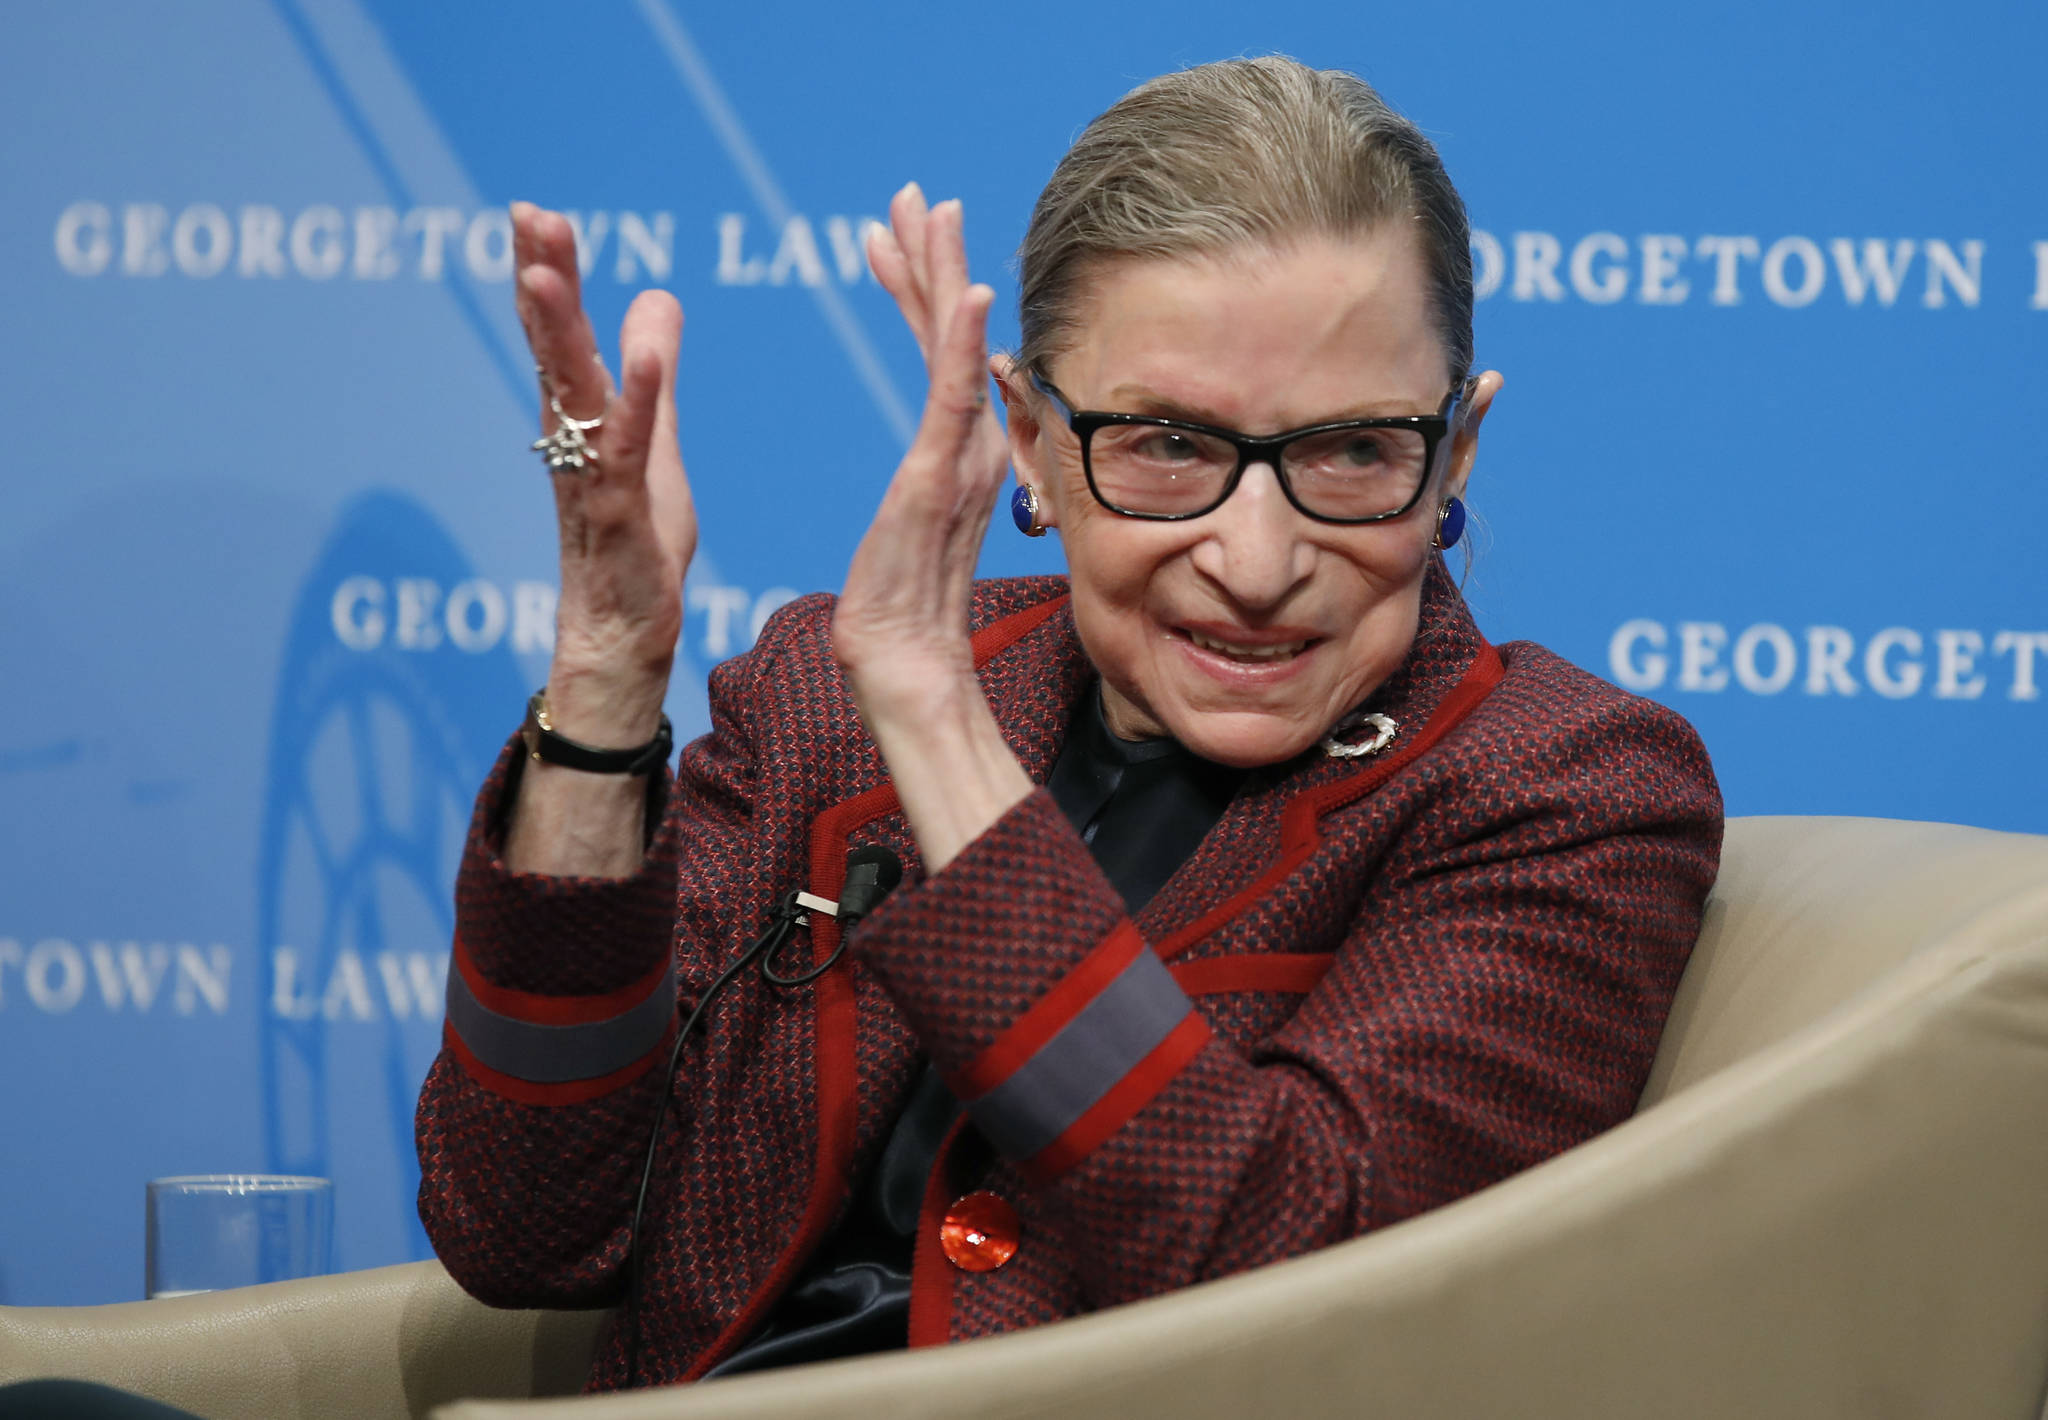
(872, 872)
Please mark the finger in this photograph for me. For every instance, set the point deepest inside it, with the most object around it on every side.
(550, 298)
(523, 214)
(629, 425)
(946, 262)
(554, 243)
(961, 385)
(945, 257)
(559, 239)
(562, 345)
(655, 319)
(533, 244)
(885, 257)
(954, 408)
(655, 322)
(907, 219)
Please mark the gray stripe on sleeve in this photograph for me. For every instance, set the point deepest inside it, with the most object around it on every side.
(1080, 1064)
(554, 1055)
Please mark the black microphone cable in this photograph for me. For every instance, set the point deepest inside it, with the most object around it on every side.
(871, 872)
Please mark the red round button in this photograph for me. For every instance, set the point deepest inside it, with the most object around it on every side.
(980, 1233)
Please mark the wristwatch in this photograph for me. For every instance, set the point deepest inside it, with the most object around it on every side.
(542, 742)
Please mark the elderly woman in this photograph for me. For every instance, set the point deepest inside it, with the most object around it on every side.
(1251, 900)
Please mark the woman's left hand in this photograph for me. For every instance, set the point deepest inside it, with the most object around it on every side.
(900, 630)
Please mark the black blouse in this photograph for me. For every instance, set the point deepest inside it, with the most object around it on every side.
(1141, 806)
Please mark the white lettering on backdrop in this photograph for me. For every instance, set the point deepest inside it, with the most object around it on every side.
(56, 976)
(1766, 659)
(797, 254)
(1602, 268)
(202, 240)
(322, 242)
(475, 616)
(403, 986)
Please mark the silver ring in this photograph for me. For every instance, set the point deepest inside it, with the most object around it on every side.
(566, 448)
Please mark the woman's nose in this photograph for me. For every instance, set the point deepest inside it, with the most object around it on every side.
(1254, 549)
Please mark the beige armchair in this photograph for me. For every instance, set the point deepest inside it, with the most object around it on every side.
(1834, 1202)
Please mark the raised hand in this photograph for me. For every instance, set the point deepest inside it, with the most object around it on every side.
(900, 629)
(628, 530)
(921, 260)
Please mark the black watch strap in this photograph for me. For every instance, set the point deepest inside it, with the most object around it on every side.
(543, 743)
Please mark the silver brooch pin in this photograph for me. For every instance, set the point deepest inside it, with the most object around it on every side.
(1383, 731)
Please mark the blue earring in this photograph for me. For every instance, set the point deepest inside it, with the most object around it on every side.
(1024, 510)
(1450, 523)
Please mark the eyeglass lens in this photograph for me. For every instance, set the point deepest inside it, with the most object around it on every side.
(1341, 473)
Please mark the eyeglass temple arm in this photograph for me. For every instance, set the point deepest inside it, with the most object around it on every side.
(1044, 387)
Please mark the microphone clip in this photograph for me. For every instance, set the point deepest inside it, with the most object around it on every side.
(792, 912)
(804, 903)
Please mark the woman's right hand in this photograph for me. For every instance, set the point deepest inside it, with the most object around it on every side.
(627, 525)
(628, 530)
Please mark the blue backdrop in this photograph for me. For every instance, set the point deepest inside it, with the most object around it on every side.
(1769, 286)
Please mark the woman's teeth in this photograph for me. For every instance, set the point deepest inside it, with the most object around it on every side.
(1279, 651)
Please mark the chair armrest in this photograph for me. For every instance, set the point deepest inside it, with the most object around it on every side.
(383, 1344)
(1809, 911)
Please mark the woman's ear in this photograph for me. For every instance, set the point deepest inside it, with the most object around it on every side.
(1017, 412)
(1028, 454)
(1480, 391)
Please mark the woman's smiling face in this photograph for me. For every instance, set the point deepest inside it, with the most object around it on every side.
(1247, 632)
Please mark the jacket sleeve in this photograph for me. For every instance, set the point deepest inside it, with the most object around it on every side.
(562, 1006)
(1497, 998)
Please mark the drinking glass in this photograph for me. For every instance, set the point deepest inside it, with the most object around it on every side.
(209, 1231)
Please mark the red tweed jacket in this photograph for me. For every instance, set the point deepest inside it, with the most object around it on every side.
(1378, 984)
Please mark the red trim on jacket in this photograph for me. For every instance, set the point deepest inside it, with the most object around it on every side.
(555, 1010)
(1301, 820)
(1000, 636)
(931, 1275)
(567, 1092)
(1293, 972)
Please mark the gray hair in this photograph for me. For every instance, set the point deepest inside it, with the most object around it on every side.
(1242, 153)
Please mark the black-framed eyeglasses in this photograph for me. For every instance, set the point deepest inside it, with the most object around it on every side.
(1350, 471)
